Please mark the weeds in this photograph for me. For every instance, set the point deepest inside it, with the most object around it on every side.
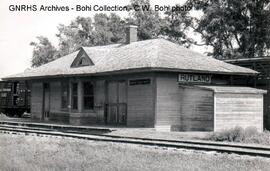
(238, 134)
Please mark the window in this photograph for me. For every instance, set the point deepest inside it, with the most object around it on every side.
(88, 95)
(64, 94)
(74, 95)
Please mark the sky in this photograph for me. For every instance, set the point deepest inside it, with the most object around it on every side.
(19, 28)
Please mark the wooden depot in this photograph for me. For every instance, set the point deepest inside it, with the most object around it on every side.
(152, 83)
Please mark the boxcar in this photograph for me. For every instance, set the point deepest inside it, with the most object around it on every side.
(14, 98)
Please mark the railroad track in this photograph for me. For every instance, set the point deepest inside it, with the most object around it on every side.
(251, 150)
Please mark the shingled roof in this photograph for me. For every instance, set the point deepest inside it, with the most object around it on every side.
(148, 55)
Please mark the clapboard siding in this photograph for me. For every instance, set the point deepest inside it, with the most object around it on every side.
(56, 112)
(244, 110)
(168, 100)
(184, 109)
(55, 96)
(140, 111)
(197, 110)
(99, 98)
(36, 100)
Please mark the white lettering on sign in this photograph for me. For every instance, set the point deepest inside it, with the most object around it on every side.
(194, 78)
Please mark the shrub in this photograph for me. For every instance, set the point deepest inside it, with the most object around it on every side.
(3, 116)
(234, 134)
(261, 138)
(238, 134)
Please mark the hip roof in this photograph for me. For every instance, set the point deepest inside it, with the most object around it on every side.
(148, 55)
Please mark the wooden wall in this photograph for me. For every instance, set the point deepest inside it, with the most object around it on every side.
(140, 99)
(181, 108)
(140, 108)
(197, 109)
(99, 98)
(56, 113)
(160, 103)
(168, 100)
(36, 99)
(140, 105)
(55, 96)
(242, 110)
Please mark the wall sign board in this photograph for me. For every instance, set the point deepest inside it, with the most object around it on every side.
(139, 82)
(194, 78)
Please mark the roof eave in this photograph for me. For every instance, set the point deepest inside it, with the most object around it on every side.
(134, 70)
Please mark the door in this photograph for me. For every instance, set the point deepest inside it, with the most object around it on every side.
(116, 107)
(46, 101)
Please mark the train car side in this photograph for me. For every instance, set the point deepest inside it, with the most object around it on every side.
(14, 98)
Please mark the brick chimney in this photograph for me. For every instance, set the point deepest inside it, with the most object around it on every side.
(131, 34)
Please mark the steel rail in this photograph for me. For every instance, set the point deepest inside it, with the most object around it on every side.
(199, 142)
(242, 150)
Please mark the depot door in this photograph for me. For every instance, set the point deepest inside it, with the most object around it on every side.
(46, 101)
(116, 107)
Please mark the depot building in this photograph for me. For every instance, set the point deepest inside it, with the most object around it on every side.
(151, 83)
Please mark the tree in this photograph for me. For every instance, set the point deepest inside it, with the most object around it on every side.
(117, 28)
(176, 25)
(78, 33)
(148, 21)
(83, 31)
(235, 29)
(43, 51)
(108, 29)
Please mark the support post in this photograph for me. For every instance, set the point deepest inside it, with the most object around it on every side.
(80, 96)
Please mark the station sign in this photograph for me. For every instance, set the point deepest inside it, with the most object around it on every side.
(139, 82)
(194, 78)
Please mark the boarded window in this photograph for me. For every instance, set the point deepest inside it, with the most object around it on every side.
(74, 95)
(64, 94)
(88, 95)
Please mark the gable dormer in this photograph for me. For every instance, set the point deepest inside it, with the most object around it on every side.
(82, 59)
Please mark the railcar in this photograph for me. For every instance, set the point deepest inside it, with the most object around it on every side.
(14, 98)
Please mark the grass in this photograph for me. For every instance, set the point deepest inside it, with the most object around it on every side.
(19, 152)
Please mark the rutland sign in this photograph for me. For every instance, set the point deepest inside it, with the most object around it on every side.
(194, 78)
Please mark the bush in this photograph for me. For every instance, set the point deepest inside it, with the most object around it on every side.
(234, 134)
(238, 134)
(3, 116)
(261, 138)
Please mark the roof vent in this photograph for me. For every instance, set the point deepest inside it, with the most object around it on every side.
(131, 34)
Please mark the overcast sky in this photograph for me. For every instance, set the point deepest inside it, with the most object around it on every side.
(18, 29)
